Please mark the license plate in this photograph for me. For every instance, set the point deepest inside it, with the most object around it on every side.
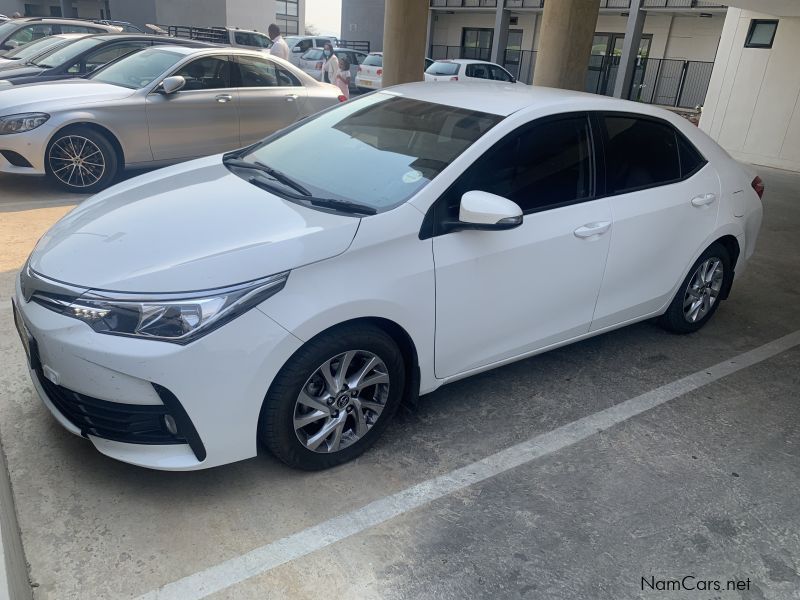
(28, 343)
(365, 83)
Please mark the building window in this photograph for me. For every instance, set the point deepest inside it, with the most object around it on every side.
(761, 34)
(288, 8)
(288, 26)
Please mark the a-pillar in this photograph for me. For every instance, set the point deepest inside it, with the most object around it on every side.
(405, 29)
(565, 43)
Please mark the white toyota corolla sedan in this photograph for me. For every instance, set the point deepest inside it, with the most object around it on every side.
(179, 318)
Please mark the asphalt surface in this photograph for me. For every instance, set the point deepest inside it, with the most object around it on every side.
(704, 485)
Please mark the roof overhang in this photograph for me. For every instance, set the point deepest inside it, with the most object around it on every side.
(778, 8)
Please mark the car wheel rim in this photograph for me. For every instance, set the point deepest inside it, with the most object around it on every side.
(77, 161)
(703, 290)
(341, 401)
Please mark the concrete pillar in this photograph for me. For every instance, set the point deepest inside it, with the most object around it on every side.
(66, 9)
(630, 50)
(429, 34)
(500, 39)
(565, 43)
(405, 28)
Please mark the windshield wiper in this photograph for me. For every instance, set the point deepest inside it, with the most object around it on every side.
(342, 205)
(274, 173)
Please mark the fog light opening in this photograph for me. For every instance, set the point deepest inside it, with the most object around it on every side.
(170, 424)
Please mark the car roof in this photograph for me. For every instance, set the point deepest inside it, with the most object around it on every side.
(504, 99)
(158, 38)
(60, 21)
(465, 61)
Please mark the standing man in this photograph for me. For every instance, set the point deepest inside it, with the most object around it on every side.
(279, 47)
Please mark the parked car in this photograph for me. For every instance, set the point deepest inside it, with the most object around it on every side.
(482, 223)
(124, 26)
(311, 62)
(80, 57)
(157, 106)
(17, 32)
(229, 36)
(467, 70)
(369, 75)
(36, 48)
(300, 44)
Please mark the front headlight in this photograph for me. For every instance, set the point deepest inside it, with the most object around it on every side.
(177, 318)
(21, 122)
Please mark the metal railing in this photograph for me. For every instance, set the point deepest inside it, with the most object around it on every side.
(445, 52)
(612, 4)
(520, 63)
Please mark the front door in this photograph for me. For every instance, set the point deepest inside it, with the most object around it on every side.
(200, 119)
(270, 98)
(665, 202)
(500, 294)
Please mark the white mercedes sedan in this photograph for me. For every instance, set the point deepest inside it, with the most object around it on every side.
(178, 319)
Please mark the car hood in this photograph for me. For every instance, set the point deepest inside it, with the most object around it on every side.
(194, 226)
(50, 96)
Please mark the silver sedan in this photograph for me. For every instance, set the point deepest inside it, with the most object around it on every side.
(155, 107)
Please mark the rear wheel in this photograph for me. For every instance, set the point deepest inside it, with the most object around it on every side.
(81, 160)
(334, 397)
(700, 294)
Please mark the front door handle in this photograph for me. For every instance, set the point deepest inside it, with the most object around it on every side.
(592, 230)
(223, 98)
(291, 97)
(703, 200)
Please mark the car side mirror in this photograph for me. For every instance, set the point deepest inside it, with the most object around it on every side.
(487, 212)
(297, 50)
(11, 45)
(171, 85)
(513, 79)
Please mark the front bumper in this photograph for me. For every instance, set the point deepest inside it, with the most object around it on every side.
(111, 389)
(29, 147)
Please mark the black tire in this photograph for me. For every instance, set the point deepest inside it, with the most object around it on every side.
(676, 319)
(277, 425)
(85, 178)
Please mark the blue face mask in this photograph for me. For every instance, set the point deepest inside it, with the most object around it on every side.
(327, 53)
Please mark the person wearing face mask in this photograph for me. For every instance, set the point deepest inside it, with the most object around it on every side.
(330, 67)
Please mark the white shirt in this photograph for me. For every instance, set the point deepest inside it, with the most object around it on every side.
(280, 48)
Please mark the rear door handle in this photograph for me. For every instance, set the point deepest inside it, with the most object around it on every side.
(591, 230)
(703, 200)
(223, 98)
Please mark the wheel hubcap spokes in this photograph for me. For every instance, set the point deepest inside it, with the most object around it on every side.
(703, 290)
(341, 401)
(77, 161)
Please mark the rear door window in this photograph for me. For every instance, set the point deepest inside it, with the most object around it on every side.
(261, 72)
(498, 73)
(640, 153)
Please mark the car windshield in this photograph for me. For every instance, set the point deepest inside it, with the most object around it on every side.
(35, 48)
(59, 56)
(443, 68)
(373, 60)
(138, 70)
(378, 150)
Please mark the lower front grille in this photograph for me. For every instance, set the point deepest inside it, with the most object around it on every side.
(130, 423)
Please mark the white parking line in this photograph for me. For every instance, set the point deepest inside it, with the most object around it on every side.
(265, 558)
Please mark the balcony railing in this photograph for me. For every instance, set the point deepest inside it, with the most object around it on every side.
(612, 4)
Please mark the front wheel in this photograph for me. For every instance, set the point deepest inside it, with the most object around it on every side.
(333, 398)
(700, 293)
(81, 160)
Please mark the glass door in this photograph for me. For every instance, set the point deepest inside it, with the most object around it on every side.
(476, 43)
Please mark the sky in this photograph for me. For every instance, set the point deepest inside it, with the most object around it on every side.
(325, 15)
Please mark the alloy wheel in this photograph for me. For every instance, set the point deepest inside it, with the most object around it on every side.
(703, 290)
(341, 401)
(76, 161)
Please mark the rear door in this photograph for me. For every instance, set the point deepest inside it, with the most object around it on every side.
(199, 120)
(270, 97)
(665, 200)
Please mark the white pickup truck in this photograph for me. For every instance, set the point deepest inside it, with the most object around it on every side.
(228, 36)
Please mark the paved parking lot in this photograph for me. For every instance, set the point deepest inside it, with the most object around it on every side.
(704, 484)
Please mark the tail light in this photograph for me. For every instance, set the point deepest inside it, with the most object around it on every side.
(342, 98)
(359, 68)
(379, 73)
(758, 186)
(454, 78)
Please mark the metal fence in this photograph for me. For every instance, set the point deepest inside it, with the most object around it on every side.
(665, 81)
(613, 4)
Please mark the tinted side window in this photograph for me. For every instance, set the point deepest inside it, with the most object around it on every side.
(691, 159)
(208, 73)
(105, 55)
(640, 153)
(256, 72)
(499, 74)
(542, 165)
(478, 71)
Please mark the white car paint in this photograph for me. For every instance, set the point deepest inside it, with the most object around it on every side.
(464, 70)
(468, 300)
